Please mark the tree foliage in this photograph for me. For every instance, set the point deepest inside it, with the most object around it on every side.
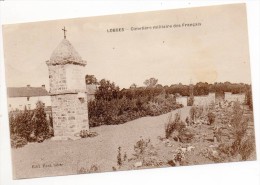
(91, 79)
(41, 126)
(107, 90)
(150, 82)
(29, 125)
(249, 99)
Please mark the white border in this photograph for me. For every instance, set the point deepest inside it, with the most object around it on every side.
(229, 173)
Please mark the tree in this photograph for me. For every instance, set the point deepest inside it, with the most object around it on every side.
(249, 99)
(21, 123)
(133, 86)
(40, 123)
(107, 90)
(151, 82)
(159, 86)
(90, 79)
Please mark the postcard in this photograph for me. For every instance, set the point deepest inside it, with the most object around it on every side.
(132, 91)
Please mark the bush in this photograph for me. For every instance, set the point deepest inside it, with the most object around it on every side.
(186, 135)
(178, 157)
(249, 99)
(93, 168)
(247, 147)
(86, 133)
(175, 125)
(146, 153)
(119, 157)
(241, 145)
(211, 117)
(192, 113)
(121, 110)
(18, 141)
(196, 112)
(30, 125)
(21, 123)
(41, 126)
(190, 101)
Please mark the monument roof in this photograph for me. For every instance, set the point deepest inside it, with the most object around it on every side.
(65, 54)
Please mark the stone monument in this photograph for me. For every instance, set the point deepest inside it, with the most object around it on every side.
(68, 91)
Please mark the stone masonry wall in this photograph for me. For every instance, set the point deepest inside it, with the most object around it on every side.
(204, 100)
(70, 115)
(57, 78)
(75, 77)
(182, 100)
(235, 97)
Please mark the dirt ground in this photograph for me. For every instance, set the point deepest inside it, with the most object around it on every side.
(67, 157)
(52, 158)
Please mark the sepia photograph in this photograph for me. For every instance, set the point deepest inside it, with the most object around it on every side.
(133, 91)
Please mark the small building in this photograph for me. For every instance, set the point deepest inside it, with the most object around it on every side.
(91, 91)
(21, 97)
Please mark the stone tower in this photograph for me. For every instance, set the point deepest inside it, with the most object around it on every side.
(68, 92)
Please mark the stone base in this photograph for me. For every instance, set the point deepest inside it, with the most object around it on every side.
(70, 115)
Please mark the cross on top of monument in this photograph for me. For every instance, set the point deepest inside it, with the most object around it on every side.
(64, 30)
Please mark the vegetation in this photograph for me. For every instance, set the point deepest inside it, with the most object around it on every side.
(175, 125)
(92, 169)
(150, 82)
(119, 157)
(239, 143)
(86, 133)
(249, 99)
(146, 154)
(201, 88)
(18, 141)
(112, 106)
(211, 117)
(29, 126)
(90, 79)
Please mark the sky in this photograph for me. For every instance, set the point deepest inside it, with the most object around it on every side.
(215, 51)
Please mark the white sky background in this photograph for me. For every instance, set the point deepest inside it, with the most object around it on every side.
(216, 51)
(230, 173)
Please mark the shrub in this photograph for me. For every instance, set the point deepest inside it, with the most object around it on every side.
(21, 123)
(178, 157)
(239, 127)
(83, 133)
(175, 125)
(146, 153)
(241, 145)
(121, 110)
(190, 101)
(186, 135)
(119, 157)
(31, 125)
(196, 112)
(18, 141)
(41, 126)
(249, 99)
(211, 117)
(86, 133)
(192, 113)
(93, 168)
(247, 147)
